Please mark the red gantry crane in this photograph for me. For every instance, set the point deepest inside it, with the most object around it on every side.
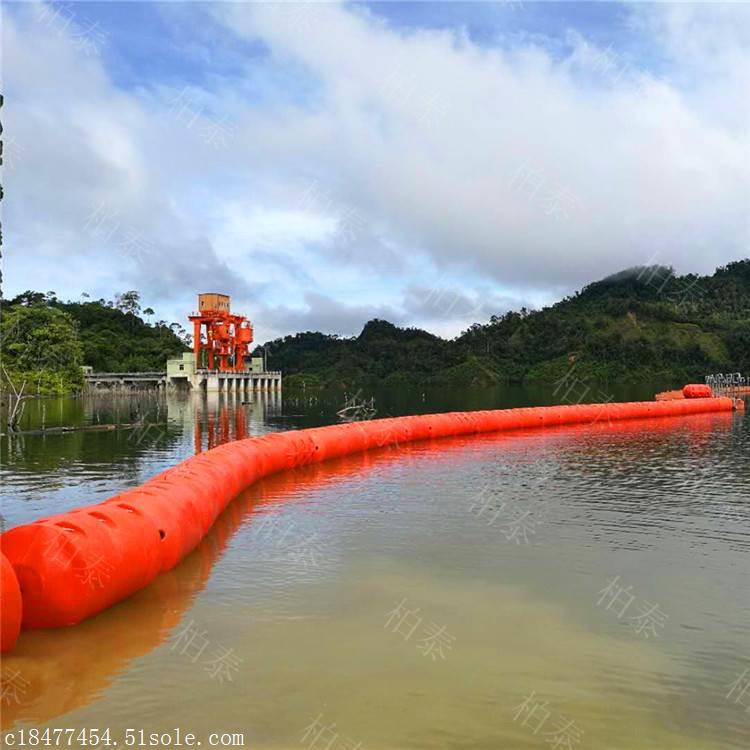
(221, 340)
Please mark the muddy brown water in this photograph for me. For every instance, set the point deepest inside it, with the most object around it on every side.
(578, 587)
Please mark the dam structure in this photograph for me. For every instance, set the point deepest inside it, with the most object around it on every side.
(220, 362)
(182, 373)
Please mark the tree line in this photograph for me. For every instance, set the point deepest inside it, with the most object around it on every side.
(645, 324)
(45, 340)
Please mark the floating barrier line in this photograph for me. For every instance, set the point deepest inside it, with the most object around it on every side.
(64, 568)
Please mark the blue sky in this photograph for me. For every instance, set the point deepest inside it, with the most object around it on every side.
(183, 41)
(325, 163)
(484, 20)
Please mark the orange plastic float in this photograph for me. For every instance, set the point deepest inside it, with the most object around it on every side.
(10, 606)
(76, 564)
(670, 395)
(697, 390)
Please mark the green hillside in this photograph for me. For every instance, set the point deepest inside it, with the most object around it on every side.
(644, 324)
(641, 325)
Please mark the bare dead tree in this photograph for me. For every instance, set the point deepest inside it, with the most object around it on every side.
(16, 403)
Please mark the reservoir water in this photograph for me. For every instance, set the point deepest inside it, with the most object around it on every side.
(578, 587)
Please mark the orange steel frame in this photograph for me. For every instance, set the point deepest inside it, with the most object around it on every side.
(227, 337)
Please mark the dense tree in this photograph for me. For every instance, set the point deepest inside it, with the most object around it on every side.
(28, 298)
(642, 324)
(41, 346)
(129, 302)
(94, 333)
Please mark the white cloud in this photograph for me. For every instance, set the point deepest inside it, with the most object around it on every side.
(500, 174)
(519, 169)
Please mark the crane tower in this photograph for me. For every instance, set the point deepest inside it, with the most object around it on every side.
(221, 339)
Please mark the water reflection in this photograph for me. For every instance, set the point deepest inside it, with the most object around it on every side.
(50, 473)
(65, 668)
(663, 504)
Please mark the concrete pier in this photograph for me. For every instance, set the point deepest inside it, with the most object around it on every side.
(235, 382)
(180, 374)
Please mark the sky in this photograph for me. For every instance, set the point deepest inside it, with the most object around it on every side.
(326, 163)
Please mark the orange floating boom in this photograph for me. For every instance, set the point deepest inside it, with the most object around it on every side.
(73, 565)
(10, 606)
(697, 390)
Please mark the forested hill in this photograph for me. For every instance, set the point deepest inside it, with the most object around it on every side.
(118, 337)
(46, 340)
(644, 324)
